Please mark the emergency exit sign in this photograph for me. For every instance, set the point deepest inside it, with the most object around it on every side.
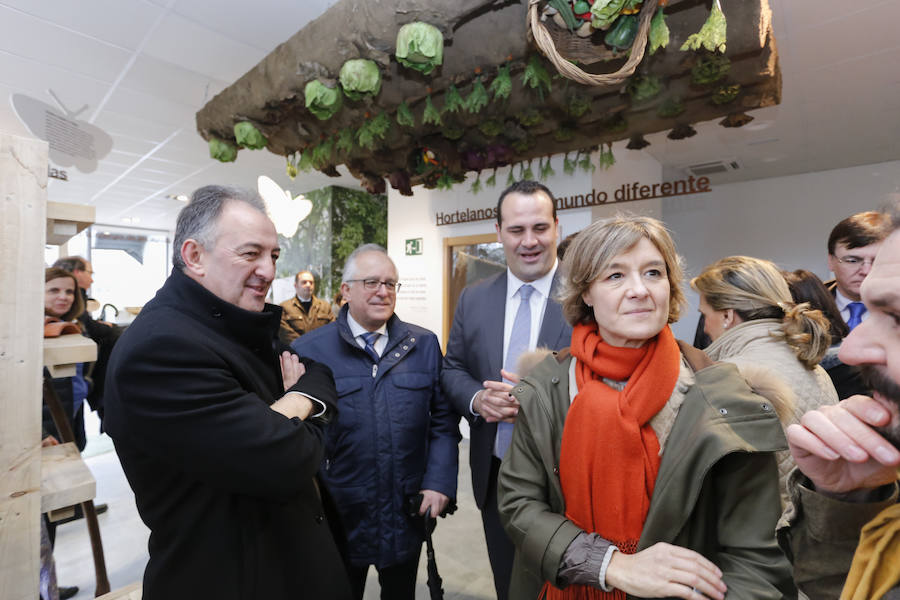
(414, 247)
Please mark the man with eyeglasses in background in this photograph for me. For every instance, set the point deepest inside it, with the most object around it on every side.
(852, 247)
(395, 437)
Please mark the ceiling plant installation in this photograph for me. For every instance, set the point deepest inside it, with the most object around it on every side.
(421, 92)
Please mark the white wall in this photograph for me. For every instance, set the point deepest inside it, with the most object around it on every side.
(785, 219)
(421, 297)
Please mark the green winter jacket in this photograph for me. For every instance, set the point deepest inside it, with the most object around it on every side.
(716, 492)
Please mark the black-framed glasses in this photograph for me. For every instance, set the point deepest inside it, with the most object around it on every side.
(855, 262)
(373, 285)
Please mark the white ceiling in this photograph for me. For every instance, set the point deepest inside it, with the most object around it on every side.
(144, 67)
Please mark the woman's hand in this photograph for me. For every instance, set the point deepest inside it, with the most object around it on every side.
(291, 369)
(666, 571)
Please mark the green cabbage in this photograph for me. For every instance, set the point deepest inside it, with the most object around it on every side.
(643, 87)
(221, 150)
(710, 68)
(604, 12)
(321, 100)
(420, 46)
(360, 77)
(248, 136)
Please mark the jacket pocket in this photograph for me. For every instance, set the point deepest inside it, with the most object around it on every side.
(412, 381)
(411, 402)
(356, 517)
(347, 389)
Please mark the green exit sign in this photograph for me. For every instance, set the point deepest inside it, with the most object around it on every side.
(414, 247)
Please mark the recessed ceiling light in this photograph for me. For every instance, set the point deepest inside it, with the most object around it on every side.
(760, 142)
(758, 126)
(179, 197)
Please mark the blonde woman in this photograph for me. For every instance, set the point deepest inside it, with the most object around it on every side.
(637, 467)
(776, 344)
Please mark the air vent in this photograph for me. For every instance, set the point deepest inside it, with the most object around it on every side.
(712, 168)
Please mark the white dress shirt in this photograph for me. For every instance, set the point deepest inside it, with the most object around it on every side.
(537, 302)
(358, 330)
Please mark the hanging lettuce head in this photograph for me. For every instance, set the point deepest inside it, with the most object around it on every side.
(248, 136)
(222, 150)
(420, 46)
(360, 77)
(321, 100)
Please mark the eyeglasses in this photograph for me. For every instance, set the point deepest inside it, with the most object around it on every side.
(855, 262)
(373, 285)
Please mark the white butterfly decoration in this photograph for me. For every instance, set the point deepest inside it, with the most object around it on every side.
(285, 210)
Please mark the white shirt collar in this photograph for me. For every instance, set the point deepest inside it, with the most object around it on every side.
(357, 330)
(841, 300)
(541, 285)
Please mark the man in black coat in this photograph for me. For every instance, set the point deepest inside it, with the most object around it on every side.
(220, 436)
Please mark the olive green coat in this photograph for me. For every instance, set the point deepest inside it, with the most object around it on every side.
(716, 491)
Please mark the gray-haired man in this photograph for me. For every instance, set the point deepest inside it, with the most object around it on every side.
(220, 436)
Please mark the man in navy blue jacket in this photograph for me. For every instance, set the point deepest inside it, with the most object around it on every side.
(395, 436)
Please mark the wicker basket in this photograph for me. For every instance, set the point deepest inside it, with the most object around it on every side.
(562, 47)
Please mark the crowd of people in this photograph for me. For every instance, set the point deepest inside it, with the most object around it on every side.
(280, 452)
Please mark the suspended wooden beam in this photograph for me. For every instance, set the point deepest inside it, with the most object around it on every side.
(480, 37)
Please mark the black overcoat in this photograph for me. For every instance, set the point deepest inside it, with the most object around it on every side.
(225, 484)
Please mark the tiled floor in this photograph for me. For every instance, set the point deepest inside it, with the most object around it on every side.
(459, 540)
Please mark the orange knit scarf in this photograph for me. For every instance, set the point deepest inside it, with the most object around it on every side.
(610, 455)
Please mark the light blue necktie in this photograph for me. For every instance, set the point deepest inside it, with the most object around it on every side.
(518, 344)
(857, 310)
(369, 338)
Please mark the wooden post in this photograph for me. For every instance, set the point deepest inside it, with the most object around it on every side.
(23, 205)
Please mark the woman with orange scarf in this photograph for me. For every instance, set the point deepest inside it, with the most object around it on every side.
(638, 468)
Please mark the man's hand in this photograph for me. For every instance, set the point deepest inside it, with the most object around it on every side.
(291, 369)
(495, 403)
(293, 404)
(436, 501)
(666, 571)
(49, 441)
(837, 449)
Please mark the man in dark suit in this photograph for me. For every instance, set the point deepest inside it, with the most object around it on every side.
(495, 320)
(852, 246)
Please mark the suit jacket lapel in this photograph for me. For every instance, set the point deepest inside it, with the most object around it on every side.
(494, 317)
(553, 326)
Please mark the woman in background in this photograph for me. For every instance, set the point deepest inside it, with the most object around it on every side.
(805, 286)
(63, 303)
(776, 344)
(635, 469)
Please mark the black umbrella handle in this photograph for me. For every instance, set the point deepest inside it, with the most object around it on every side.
(434, 579)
